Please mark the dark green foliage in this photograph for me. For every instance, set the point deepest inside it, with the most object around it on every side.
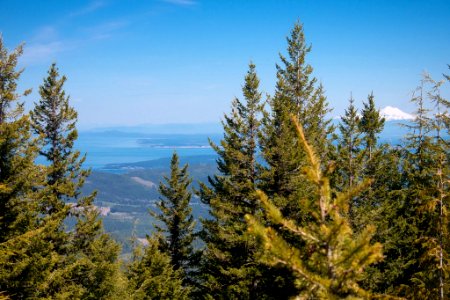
(412, 199)
(428, 175)
(296, 93)
(24, 254)
(54, 120)
(177, 230)
(371, 125)
(230, 268)
(317, 213)
(376, 164)
(349, 156)
(87, 265)
(151, 274)
(17, 152)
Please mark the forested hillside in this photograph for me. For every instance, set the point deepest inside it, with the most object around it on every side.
(293, 205)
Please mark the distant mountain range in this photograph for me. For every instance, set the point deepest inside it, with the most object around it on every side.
(390, 113)
(170, 128)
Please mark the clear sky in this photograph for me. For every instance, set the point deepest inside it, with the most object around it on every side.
(183, 61)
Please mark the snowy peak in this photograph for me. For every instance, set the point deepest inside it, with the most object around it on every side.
(393, 113)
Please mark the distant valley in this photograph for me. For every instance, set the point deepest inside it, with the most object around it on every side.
(127, 168)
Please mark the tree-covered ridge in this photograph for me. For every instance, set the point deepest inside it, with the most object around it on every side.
(297, 209)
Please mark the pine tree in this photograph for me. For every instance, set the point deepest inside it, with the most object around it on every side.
(336, 257)
(414, 230)
(177, 230)
(151, 274)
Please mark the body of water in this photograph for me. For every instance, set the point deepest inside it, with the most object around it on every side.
(117, 147)
(103, 148)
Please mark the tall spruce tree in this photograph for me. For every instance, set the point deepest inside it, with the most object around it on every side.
(230, 268)
(373, 157)
(371, 125)
(349, 149)
(54, 120)
(25, 258)
(382, 204)
(177, 230)
(413, 228)
(17, 151)
(296, 93)
(336, 257)
(87, 257)
(429, 188)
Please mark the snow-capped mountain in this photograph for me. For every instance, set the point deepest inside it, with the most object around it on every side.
(393, 113)
(390, 113)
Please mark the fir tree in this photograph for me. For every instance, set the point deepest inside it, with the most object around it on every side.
(25, 258)
(296, 93)
(383, 204)
(17, 151)
(371, 125)
(151, 274)
(91, 269)
(88, 258)
(175, 214)
(54, 120)
(349, 151)
(230, 268)
(376, 164)
(336, 258)
(430, 177)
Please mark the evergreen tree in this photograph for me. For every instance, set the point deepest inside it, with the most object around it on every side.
(413, 227)
(336, 257)
(296, 93)
(376, 165)
(91, 268)
(54, 120)
(87, 266)
(230, 268)
(17, 152)
(371, 125)
(401, 251)
(24, 256)
(349, 158)
(383, 204)
(429, 187)
(175, 214)
(151, 275)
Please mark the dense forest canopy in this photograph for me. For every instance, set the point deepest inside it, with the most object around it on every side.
(298, 208)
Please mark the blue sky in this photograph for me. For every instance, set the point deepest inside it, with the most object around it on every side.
(183, 61)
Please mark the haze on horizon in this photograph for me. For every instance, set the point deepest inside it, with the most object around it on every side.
(183, 61)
